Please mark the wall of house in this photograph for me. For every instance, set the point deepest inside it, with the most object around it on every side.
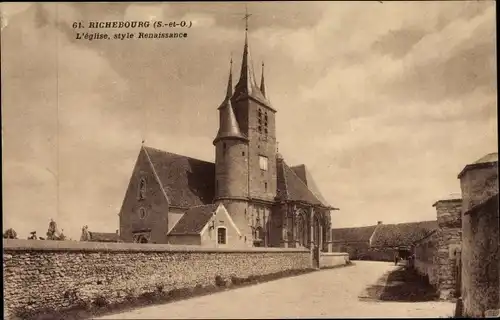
(154, 224)
(480, 282)
(56, 275)
(234, 239)
(357, 250)
(174, 215)
(381, 253)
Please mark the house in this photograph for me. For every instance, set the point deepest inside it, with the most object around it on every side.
(270, 203)
(354, 241)
(208, 226)
(381, 241)
(99, 236)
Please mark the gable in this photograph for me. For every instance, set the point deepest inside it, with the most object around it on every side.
(186, 181)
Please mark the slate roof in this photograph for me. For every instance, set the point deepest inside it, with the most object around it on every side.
(359, 234)
(103, 237)
(402, 234)
(304, 175)
(291, 187)
(193, 221)
(187, 181)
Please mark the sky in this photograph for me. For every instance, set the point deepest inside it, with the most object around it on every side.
(384, 103)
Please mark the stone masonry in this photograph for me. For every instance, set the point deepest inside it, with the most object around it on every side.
(450, 228)
(435, 256)
(58, 275)
(480, 236)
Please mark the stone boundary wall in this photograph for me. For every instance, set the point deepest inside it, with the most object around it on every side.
(54, 276)
(426, 251)
(333, 259)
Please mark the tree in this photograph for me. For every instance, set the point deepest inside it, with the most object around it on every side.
(10, 234)
(53, 233)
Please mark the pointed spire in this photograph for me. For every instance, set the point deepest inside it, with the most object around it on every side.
(262, 83)
(246, 83)
(229, 127)
(229, 92)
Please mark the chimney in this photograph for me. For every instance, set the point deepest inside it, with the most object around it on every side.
(379, 222)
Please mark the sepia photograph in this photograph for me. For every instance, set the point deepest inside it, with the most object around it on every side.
(239, 160)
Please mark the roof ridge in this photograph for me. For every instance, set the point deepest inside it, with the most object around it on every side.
(283, 164)
(157, 177)
(175, 154)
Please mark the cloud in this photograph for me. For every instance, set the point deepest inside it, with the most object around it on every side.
(384, 103)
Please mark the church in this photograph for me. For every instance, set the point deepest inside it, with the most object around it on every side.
(250, 196)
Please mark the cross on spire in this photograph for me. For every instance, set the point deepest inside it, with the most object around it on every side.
(246, 17)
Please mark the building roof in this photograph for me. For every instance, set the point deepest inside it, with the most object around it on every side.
(194, 220)
(402, 234)
(187, 181)
(291, 187)
(358, 234)
(103, 236)
(304, 175)
(490, 157)
(489, 160)
(453, 197)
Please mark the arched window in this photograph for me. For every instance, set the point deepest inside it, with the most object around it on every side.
(221, 235)
(142, 189)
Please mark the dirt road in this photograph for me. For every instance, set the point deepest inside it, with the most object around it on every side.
(326, 293)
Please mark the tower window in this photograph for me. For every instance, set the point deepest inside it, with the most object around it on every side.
(260, 128)
(243, 153)
(265, 186)
(263, 163)
(221, 235)
(142, 213)
(142, 189)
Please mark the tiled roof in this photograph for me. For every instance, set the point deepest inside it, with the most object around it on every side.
(487, 161)
(353, 234)
(103, 237)
(291, 187)
(193, 221)
(402, 234)
(187, 182)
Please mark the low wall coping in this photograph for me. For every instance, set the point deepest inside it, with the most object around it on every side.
(49, 245)
(334, 254)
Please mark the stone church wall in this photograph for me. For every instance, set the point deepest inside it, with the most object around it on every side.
(52, 276)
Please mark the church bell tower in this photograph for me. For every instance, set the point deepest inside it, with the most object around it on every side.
(245, 148)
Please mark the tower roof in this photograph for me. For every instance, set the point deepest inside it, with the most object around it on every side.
(247, 85)
(228, 128)
(262, 83)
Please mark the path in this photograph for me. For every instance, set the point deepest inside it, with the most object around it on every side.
(326, 294)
